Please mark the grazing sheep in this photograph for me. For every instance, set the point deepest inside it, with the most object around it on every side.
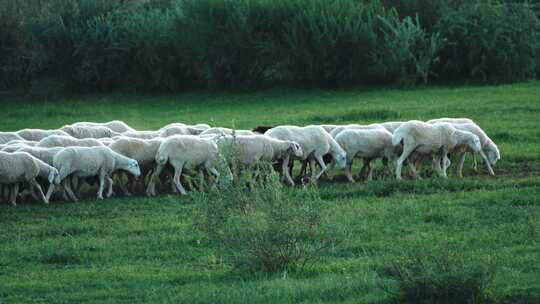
(142, 150)
(431, 139)
(339, 129)
(142, 134)
(489, 153)
(6, 137)
(92, 161)
(251, 149)
(315, 143)
(226, 131)
(67, 141)
(192, 129)
(82, 132)
(22, 167)
(368, 145)
(38, 134)
(186, 152)
(115, 125)
(46, 155)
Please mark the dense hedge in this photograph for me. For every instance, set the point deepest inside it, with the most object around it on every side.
(89, 45)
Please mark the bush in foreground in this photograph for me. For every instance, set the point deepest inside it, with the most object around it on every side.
(258, 225)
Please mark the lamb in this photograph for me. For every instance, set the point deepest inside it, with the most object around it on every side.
(92, 161)
(186, 152)
(115, 125)
(22, 167)
(339, 129)
(489, 152)
(82, 132)
(38, 134)
(368, 145)
(315, 143)
(227, 131)
(67, 141)
(6, 137)
(431, 139)
(143, 151)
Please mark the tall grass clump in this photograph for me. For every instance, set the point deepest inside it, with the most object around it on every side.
(438, 275)
(405, 52)
(489, 41)
(256, 224)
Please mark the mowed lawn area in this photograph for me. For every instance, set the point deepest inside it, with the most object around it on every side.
(134, 250)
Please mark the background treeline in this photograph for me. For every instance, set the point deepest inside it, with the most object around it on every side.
(170, 45)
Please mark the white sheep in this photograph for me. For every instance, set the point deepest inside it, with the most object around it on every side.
(15, 145)
(489, 152)
(315, 143)
(22, 167)
(183, 129)
(115, 125)
(6, 137)
(251, 149)
(67, 141)
(92, 161)
(431, 139)
(367, 145)
(82, 132)
(38, 134)
(46, 155)
(226, 131)
(186, 152)
(142, 150)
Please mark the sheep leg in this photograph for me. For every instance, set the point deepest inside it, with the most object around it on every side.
(67, 187)
(348, 169)
(322, 164)
(330, 171)
(475, 163)
(303, 170)
(176, 178)
(35, 184)
(151, 189)
(201, 180)
(445, 162)
(101, 185)
(407, 150)
(110, 190)
(13, 194)
(124, 185)
(486, 161)
(285, 170)
(461, 163)
(370, 171)
(50, 191)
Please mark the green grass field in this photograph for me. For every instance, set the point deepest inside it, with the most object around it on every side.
(132, 250)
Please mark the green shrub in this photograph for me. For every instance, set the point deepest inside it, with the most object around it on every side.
(405, 52)
(264, 226)
(438, 275)
(489, 41)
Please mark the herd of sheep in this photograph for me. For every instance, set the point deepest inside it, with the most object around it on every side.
(114, 153)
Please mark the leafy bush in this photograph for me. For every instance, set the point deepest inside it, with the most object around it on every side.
(438, 276)
(489, 41)
(406, 52)
(264, 227)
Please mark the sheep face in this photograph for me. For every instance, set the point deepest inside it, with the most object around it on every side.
(133, 167)
(341, 159)
(493, 155)
(52, 175)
